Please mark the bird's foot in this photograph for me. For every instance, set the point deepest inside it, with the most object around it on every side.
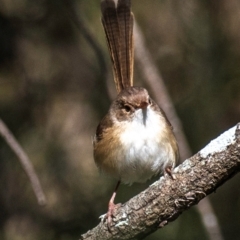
(109, 216)
(168, 171)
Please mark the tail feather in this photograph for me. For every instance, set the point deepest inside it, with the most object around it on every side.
(118, 26)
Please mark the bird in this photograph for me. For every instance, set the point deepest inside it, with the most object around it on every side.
(134, 141)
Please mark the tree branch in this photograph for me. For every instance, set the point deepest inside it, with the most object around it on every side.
(166, 199)
(24, 160)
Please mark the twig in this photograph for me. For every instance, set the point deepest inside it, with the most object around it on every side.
(25, 162)
(157, 87)
(209, 219)
(70, 9)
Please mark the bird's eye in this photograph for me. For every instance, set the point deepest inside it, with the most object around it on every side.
(127, 108)
(150, 101)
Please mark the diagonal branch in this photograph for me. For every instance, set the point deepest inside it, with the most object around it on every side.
(166, 199)
(156, 84)
(24, 160)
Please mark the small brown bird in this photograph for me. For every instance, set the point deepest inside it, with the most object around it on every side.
(134, 141)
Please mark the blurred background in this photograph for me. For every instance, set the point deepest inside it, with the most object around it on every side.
(54, 67)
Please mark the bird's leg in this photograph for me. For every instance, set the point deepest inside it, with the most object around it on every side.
(112, 206)
(168, 170)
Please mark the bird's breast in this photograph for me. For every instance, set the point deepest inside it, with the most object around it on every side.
(146, 148)
(135, 150)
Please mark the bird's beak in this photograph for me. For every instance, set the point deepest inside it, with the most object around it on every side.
(144, 106)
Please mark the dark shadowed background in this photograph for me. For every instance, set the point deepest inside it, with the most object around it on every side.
(54, 67)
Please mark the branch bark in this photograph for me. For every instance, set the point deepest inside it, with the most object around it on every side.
(166, 199)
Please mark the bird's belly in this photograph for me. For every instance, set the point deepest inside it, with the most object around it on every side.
(144, 152)
(136, 150)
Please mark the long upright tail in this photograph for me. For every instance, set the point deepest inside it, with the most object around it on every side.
(118, 25)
